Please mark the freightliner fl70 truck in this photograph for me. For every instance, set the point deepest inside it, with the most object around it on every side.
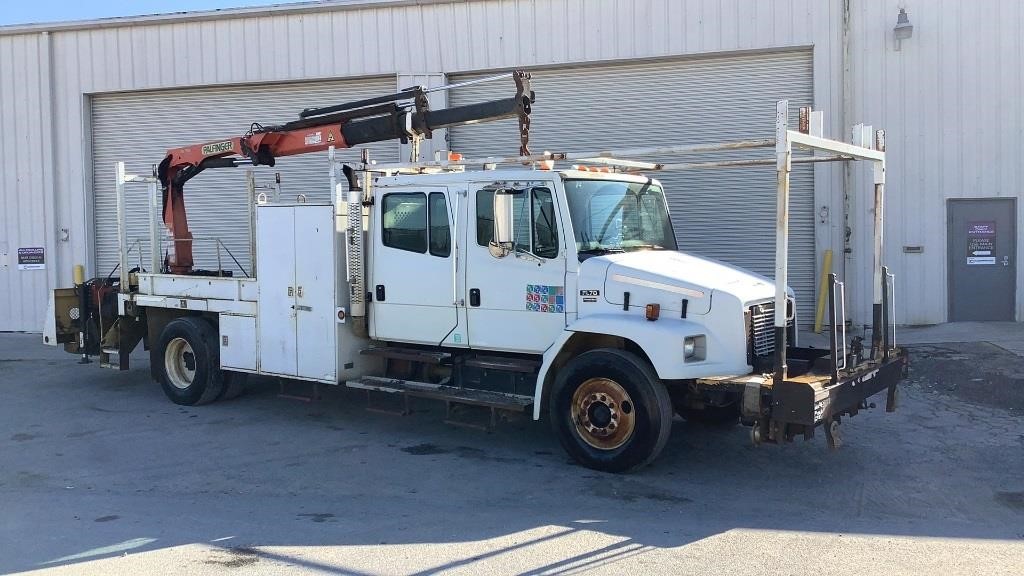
(550, 284)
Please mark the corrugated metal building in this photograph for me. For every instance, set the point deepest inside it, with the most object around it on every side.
(76, 97)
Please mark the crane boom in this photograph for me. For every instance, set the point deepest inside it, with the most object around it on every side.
(378, 119)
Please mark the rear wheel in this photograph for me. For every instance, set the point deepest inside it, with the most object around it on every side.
(186, 362)
(610, 410)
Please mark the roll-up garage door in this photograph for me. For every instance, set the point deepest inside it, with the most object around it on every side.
(138, 128)
(727, 214)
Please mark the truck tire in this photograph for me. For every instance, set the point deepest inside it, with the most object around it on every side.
(610, 411)
(186, 362)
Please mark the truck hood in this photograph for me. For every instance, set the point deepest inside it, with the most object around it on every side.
(667, 277)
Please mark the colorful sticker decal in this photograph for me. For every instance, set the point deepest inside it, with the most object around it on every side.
(541, 298)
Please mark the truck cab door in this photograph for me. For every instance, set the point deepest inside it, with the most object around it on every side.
(516, 302)
(413, 266)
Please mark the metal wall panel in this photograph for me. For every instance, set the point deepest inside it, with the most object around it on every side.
(949, 99)
(137, 128)
(26, 180)
(341, 39)
(726, 214)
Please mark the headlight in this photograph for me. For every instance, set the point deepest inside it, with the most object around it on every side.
(694, 348)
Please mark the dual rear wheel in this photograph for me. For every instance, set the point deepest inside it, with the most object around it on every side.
(186, 362)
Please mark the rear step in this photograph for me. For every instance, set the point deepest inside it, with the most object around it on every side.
(493, 401)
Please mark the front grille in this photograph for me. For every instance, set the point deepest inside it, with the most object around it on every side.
(762, 329)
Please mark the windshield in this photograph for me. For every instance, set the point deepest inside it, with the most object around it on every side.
(610, 216)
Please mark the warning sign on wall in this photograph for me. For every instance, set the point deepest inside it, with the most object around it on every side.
(981, 243)
(31, 259)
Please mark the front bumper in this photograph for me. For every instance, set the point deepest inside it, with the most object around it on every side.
(810, 396)
(810, 401)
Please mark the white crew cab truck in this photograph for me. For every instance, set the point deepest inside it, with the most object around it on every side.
(562, 293)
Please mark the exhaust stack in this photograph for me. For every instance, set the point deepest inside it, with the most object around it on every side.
(355, 263)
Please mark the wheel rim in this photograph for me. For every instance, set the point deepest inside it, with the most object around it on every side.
(603, 413)
(180, 363)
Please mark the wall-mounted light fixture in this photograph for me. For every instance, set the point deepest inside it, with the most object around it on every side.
(903, 29)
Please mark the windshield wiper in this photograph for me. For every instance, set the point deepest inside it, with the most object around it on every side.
(646, 247)
(601, 251)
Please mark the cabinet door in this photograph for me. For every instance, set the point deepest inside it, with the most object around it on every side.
(275, 263)
(314, 292)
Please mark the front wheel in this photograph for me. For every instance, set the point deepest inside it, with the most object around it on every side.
(610, 411)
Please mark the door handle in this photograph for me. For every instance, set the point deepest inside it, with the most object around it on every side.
(380, 293)
(474, 296)
(1006, 260)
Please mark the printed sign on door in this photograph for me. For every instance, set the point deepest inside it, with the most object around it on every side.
(981, 243)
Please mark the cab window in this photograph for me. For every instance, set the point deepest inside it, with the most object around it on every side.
(535, 224)
(414, 224)
(405, 221)
(440, 234)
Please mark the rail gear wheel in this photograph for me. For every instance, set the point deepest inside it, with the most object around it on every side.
(610, 411)
(186, 362)
(833, 435)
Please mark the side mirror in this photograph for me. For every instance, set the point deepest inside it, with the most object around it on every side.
(504, 217)
(504, 224)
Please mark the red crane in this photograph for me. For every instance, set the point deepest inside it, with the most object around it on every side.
(317, 129)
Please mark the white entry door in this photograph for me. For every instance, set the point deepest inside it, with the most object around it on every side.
(414, 267)
(516, 303)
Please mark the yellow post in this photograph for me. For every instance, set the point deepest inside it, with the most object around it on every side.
(79, 274)
(826, 269)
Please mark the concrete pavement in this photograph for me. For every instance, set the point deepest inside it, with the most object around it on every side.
(1007, 335)
(100, 474)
